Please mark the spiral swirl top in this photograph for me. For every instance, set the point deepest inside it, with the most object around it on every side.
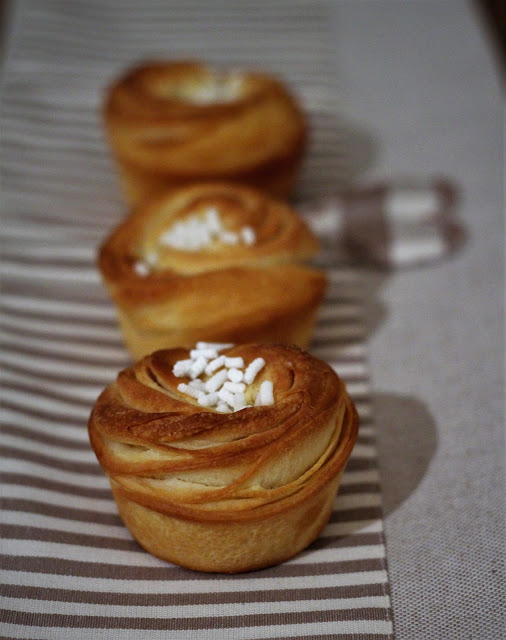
(226, 288)
(164, 451)
(192, 120)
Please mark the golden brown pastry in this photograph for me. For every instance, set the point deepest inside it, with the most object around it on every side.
(234, 482)
(218, 262)
(171, 123)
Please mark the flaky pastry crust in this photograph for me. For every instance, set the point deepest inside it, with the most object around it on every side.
(171, 123)
(263, 292)
(225, 492)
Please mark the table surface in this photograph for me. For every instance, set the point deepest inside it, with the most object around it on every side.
(420, 80)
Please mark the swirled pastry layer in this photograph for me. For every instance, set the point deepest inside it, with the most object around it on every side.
(170, 123)
(257, 467)
(172, 294)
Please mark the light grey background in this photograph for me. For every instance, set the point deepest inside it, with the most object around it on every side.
(421, 79)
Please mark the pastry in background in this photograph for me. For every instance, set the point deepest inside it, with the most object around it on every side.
(224, 458)
(213, 261)
(171, 123)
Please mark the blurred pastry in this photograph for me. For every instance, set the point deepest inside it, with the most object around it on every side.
(171, 123)
(225, 458)
(215, 261)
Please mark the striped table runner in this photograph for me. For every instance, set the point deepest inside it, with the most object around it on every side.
(69, 567)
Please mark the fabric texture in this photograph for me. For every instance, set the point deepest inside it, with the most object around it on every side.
(69, 567)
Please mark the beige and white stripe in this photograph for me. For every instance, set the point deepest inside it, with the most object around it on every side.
(69, 567)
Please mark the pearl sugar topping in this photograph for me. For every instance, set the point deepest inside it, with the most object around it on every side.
(197, 232)
(194, 233)
(227, 378)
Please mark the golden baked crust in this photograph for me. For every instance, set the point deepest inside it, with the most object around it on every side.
(171, 123)
(228, 293)
(225, 492)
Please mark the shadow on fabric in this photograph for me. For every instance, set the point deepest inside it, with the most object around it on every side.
(406, 436)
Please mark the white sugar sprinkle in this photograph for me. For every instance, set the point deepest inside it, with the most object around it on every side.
(236, 363)
(252, 370)
(197, 384)
(214, 365)
(239, 401)
(190, 391)
(218, 346)
(229, 237)
(235, 375)
(199, 231)
(208, 353)
(207, 399)
(225, 389)
(141, 269)
(248, 235)
(213, 220)
(234, 387)
(265, 394)
(226, 396)
(182, 368)
(214, 383)
(198, 367)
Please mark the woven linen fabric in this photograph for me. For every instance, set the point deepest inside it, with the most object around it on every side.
(70, 569)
